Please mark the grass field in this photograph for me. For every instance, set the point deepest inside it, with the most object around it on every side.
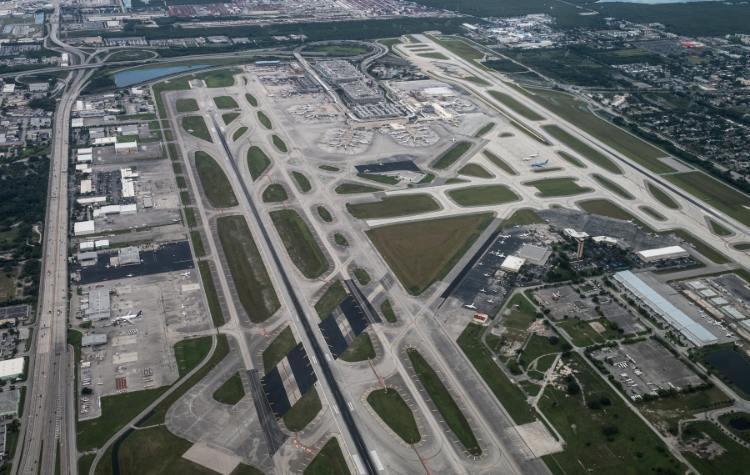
(354, 188)
(303, 184)
(571, 159)
(661, 196)
(583, 149)
(583, 334)
(279, 144)
(653, 213)
(212, 297)
(231, 391)
(214, 181)
(486, 127)
(300, 243)
(324, 214)
(251, 100)
(607, 440)
(550, 187)
(274, 193)
(229, 117)
(433, 55)
(303, 411)
(278, 349)
(256, 292)
(362, 276)
(329, 461)
(444, 402)
(509, 395)
(225, 102)
(450, 156)
(666, 412)
(442, 242)
(722, 197)
(218, 78)
(188, 353)
(483, 195)
(718, 228)
(196, 126)
(391, 206)
(257, 161)
(331, 298)
(499, 163)
(476, 170)
(522, 217)
(337, 50)
(238, 133)
(576, 112)
(340, 240)
(264, 120)
(387, 310)
(515, 106)
(360, 349)
(732, 458)
(392, 409)
(612, 186)
(460, 48)
(186, 105)
(610, 209)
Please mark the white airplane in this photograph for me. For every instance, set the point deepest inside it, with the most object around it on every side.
(185, 274)
(127, 319)
(470, 306)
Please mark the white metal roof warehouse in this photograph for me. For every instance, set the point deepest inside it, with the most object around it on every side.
(11, 369)
(692, 330)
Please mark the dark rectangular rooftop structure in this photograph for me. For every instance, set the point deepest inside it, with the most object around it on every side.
(400, 165)
(301, 368)
(332, 333)
(273, 386)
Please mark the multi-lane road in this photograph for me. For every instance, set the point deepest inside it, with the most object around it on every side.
(49, 428)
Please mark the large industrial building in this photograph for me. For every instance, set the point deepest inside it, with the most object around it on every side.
(662, 254)
(696, 333)
(98, 305)
(11, 369)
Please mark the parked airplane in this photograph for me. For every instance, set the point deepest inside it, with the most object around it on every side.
(533, 155)
(127, 319)
(185, 274)
(540, 164)
(470, 306)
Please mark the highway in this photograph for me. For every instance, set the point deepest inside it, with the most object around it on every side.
(333, 385)
(49, 421)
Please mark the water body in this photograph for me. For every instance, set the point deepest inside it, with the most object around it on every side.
(131, 77)
(732, 365)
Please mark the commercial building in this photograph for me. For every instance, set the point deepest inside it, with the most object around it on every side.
(512, 264)
(94, 339)
(9, 403)
(662, 254)
(11, 369)
(98, 305)
(696, 333)
(128, 256)
(83, 227)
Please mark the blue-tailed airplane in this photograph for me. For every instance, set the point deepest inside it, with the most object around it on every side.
(540, 164)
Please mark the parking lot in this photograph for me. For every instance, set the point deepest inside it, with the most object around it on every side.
(645, 367)
(566, 301)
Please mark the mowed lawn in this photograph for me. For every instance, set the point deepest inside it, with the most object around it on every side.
(196, 126)
(214, 181)
(450, 156)
(515, 106)
(225, 102)
(550, 187)
(421, 252)
(249, 273)
(329, 461)
(300, 243)
(391, 206)
(583, 149)
(257, 161)
(483, 195)
(722, 197)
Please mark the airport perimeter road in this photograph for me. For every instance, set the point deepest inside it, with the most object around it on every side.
(47, 430)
